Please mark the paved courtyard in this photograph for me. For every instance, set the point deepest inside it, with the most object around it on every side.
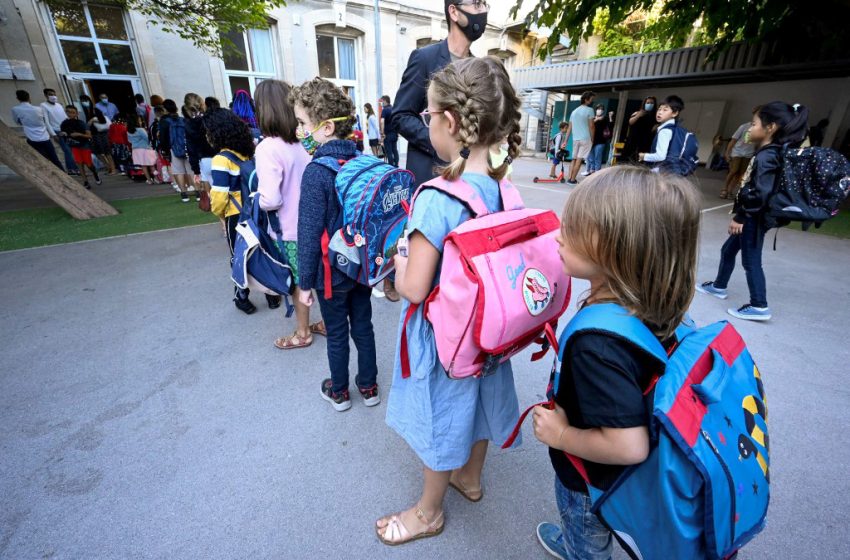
(143, 416)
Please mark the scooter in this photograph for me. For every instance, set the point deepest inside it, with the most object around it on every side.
(562, 177)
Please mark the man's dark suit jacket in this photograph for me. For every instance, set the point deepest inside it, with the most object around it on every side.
(412, 99)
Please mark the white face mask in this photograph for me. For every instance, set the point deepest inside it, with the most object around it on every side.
(599, 112)
(52, 98)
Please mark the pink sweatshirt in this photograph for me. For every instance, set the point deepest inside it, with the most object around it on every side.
(279, 169)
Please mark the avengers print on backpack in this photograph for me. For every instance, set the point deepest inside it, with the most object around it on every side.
(704, 489)
(373, 196)
(813, 184)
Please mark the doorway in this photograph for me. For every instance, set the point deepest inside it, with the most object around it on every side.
(119, 92)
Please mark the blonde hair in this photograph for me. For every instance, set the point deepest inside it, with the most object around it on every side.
(478, 92)
(641, 229)
(192, 105)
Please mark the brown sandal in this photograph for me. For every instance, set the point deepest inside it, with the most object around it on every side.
(469, 494)
(395, 532)
(293, 341)
(319, 328)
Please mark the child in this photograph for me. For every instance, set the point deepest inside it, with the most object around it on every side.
(616, 233)
(79, 138)
(280, 164)
(143, 154)
(666, 116)
(120, 144)
(774, 125)
(324, 117)
(199, 150)
(227, 133)
(99, 126)
(559, 142)
(448, 422)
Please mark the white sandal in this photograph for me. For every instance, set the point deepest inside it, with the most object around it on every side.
(395, 532)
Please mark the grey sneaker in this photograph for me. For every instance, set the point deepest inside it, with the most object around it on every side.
(751, 313)
(340, 401)
(708, 288)
(552, 539)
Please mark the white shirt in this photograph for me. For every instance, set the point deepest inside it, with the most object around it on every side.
(32, 119)
(54, 114)
(665, 134)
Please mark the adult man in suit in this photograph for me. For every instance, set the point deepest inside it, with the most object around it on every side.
(467, 20)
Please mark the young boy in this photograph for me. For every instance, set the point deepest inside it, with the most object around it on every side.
(559, 142)
(78, 136)
(666, 116)
(325, 120)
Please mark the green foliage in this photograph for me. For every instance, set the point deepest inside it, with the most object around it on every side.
(199, 21)
(791, 24)
(635, 36)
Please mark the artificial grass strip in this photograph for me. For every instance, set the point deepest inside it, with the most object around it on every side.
(837, 226)
(21, 229)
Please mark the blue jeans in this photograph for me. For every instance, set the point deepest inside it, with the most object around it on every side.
(750, 243)
(391, 149)
(585, 537)
(350, 308)
(70, 164)
(594, 160)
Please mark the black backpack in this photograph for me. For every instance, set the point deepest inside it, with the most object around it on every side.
(810, 189)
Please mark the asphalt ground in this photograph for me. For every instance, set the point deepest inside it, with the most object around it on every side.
(143, 416)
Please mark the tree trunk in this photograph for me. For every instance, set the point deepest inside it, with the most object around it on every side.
(80, 203)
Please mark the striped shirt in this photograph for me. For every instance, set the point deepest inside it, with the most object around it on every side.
(225, 182)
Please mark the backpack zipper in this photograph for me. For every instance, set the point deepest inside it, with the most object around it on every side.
(729, 481)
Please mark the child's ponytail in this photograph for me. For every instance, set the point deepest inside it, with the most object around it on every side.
(792, 122)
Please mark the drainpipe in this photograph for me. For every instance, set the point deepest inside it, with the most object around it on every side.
(379, 77)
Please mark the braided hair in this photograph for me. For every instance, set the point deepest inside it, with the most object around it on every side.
(471, 89)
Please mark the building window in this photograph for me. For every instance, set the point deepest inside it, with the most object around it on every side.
(337, 57)
(93, 39)
(248, 58)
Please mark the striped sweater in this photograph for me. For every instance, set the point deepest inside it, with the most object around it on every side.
(225, 182)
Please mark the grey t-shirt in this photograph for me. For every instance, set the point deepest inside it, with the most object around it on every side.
(580, 121)
(742, 147)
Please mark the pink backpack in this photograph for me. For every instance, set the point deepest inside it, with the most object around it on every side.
(502, 284)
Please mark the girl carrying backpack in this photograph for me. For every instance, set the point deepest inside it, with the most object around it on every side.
(775, 126)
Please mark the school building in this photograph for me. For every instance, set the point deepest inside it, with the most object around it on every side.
(719, 94)
(95, 47)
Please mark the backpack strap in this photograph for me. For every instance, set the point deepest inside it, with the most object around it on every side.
(458, 189)
(331, 163)
(511, 199)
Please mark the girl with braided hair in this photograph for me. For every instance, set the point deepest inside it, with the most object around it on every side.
(449, 422)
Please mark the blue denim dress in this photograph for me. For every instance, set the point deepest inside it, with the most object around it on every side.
(441, 418)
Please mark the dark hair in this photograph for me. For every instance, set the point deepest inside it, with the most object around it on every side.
(243, 107)
(87, 111)
(74, 107)
(563, 125)
(600, 106)
(446, 9)
(322, 100)
(159, 110)
(654, 99)
(170, 106)
(156, 100)
(98, 114)
(675, 103)
(791, 121)
(132, 120)
(587, 95)
(22, 95)
(45, 90)
(275, 116)
(139, 98)
(387, 99)
(369, 110)
(212, 103)
(227, 131)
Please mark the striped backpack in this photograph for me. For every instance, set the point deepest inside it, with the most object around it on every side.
(703, 491)
(374, 198)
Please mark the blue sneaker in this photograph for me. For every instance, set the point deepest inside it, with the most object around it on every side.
(552, 539)
(708, 288)
(751, 313)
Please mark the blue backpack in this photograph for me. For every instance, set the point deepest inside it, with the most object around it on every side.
(374, 197)
(682, 156)
(259, 260)
(177, 135)
(703, 491)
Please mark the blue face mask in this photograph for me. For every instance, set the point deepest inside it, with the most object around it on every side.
(648, 106)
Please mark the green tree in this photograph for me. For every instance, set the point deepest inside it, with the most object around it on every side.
(799, 26)
(199, 21)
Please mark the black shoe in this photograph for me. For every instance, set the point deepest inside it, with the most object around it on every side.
(244, 305)
(572, 182)
(184, 197)
(86, 185)
(273, 301)
(97, 180)
(340, 401)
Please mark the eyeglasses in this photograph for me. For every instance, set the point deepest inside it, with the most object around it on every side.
(479, 5)
(426, 116)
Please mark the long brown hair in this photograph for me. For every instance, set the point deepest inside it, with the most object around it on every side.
(642, 230)
(275, 115)
(478, 92)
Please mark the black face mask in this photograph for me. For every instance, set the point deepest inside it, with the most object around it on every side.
(476, 25)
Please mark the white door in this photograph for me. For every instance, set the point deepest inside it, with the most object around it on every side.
(703, 119)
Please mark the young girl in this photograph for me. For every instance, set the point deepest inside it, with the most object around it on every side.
(143, 154)
(99, 126)
(120, 143)
(447, 422)
(198, 150)
(323, 112)
(373, 130)
(281, 160)
(633, 235)
(775, 125)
